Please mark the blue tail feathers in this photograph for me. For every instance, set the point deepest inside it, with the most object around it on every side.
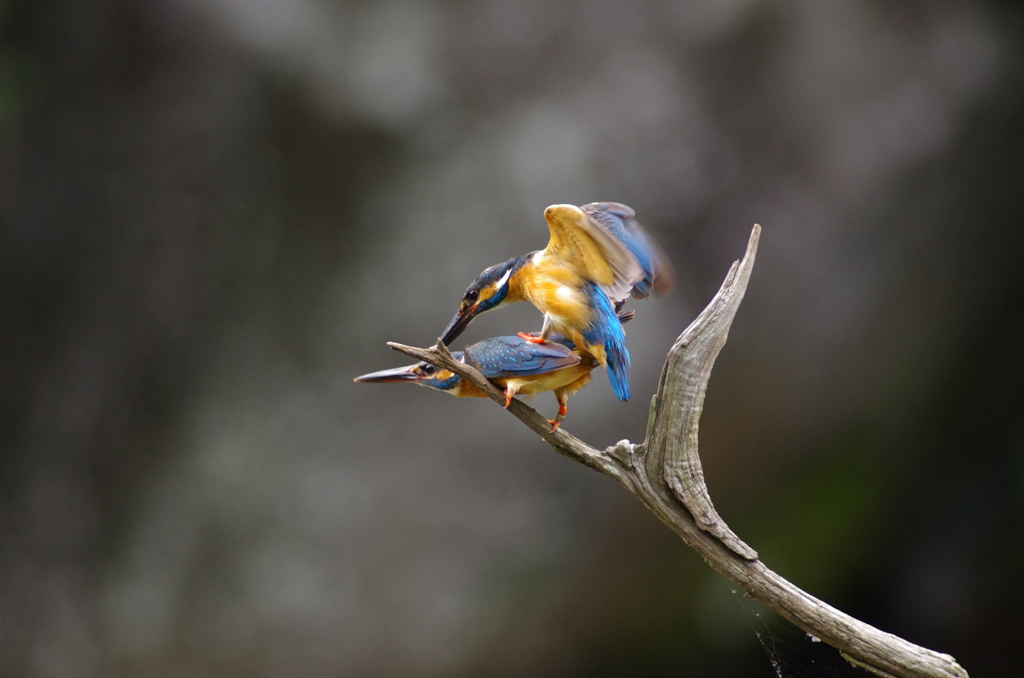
(618, 368)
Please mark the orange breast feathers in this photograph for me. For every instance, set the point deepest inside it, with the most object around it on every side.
(571, 379)
(552, 288)
(466, 389)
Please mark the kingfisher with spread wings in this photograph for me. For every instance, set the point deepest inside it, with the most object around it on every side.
(598, 256)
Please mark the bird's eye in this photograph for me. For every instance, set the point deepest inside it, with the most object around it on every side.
(429, 369)
(472, 295)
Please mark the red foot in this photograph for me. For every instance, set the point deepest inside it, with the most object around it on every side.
(508, 399)
(530, 338)
(557, 421)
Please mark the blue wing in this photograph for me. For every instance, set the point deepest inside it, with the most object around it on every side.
(620, 221)
(512, 356)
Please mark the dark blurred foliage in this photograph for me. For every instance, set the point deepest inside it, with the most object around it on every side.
(213, 214)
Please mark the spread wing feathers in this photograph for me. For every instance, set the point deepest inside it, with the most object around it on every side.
(511, 356)
(620, 221)
(587, 245)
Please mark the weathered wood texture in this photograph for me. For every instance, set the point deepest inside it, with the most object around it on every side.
(664, 472)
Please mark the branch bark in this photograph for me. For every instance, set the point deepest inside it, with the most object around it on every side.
(665, 473)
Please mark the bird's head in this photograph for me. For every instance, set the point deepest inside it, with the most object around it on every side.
(488, 291)
(422, 373)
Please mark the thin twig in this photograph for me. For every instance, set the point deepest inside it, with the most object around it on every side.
(665, 473)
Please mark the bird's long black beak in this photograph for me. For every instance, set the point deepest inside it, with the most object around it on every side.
(459, 323)
(388, 376)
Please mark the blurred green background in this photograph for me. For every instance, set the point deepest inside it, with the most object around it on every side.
(213, 214)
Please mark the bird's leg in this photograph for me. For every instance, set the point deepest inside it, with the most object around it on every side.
(563, 401)
(545, 331)
(510, 392)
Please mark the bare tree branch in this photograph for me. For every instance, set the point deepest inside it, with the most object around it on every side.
(665, 473)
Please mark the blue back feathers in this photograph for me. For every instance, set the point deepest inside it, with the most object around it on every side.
(606, 330)
(512, 356)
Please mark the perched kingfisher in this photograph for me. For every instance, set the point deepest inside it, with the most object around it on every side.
(516, 364)
(598, 256)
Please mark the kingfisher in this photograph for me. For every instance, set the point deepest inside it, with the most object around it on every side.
(515, 364)
(597, 257)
